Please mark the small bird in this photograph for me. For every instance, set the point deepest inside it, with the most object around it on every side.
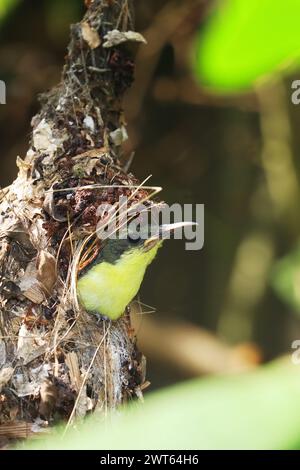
(113, 279)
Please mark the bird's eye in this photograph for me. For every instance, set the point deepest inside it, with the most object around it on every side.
(133, 240)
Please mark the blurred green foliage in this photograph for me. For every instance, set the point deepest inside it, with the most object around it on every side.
(258, 410)
(246, 41)
(285, 279)
(6, 6)
(59, 15)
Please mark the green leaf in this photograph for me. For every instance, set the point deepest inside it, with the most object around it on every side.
(285, 279)
(258, 410)
(6, 6)
(247, 40)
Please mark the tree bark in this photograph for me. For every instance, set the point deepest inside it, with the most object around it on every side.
(56, 361)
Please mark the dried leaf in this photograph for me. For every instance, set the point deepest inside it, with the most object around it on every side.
(31, 344)
(86, 168)
(45, 142)
(90, 35)
(2, 353)
(51, 209)
(74, 371)
(5, 376)
(19, 233)
(116, 37)
(39, 426)
(29, 277)
(30, 384)
(92, 153)
(119, 135)
(48, 394)
(13, 412)
(16, 430)
(23, 165)
(83, 404)
(29, 284)
(89, 123)
(46, 271)
(35, 293)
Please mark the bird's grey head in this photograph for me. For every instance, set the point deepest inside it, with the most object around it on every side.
(144, 238)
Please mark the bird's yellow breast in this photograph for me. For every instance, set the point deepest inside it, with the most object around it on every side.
(108, 288)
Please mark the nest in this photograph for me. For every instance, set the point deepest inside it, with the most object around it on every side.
(58, 362)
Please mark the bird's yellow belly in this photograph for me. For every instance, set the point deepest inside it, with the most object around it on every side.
(108, 288)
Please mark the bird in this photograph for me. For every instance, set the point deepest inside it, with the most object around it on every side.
(111, 281)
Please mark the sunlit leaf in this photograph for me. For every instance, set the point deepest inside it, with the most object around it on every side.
(247, 40)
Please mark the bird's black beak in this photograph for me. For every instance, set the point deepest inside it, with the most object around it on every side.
(163, 232)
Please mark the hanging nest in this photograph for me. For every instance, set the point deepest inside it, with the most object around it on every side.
(58, 362)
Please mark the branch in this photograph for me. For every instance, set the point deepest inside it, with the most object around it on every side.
(55, 359)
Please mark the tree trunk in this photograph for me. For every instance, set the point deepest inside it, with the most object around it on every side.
(56, 360)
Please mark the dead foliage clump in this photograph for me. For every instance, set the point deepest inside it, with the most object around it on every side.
(57, 362)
